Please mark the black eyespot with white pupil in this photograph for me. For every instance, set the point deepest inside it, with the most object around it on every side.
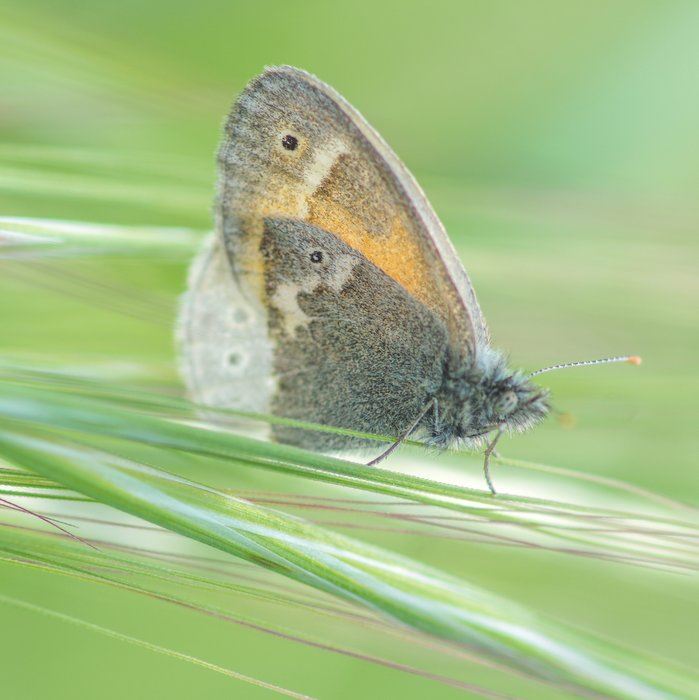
(290, 142)
(316, 256)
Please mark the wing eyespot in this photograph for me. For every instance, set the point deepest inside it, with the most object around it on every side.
(240, 316)
(316, 256)
(234, 359)
(290, 142)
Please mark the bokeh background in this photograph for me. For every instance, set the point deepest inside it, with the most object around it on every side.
(559, 144)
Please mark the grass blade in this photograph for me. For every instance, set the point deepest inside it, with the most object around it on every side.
(418, 596)
(113, 634)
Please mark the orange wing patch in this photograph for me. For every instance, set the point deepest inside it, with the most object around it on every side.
(397, 253)
(355, 205)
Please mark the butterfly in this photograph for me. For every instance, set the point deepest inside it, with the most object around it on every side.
(330, 293)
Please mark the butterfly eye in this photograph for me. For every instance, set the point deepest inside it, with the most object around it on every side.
(506, 403)
(316, 256)
(290, 142)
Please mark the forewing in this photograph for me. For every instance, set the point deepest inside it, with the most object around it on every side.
(341, 176)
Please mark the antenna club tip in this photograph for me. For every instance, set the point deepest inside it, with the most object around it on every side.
(634, 360)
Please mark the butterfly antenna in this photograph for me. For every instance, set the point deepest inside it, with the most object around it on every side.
(630, 359)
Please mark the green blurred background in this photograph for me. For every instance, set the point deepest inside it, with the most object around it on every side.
(559, 144)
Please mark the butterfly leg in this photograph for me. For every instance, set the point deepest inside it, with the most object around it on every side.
(489, 452)
(432, 404)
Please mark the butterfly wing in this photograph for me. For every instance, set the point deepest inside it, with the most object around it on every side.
(295, 151)
(341, 343)
(346, 334)
(341, 176)
(226, 357)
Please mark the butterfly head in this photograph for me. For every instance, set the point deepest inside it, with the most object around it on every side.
(502, 397)
(485, 395)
